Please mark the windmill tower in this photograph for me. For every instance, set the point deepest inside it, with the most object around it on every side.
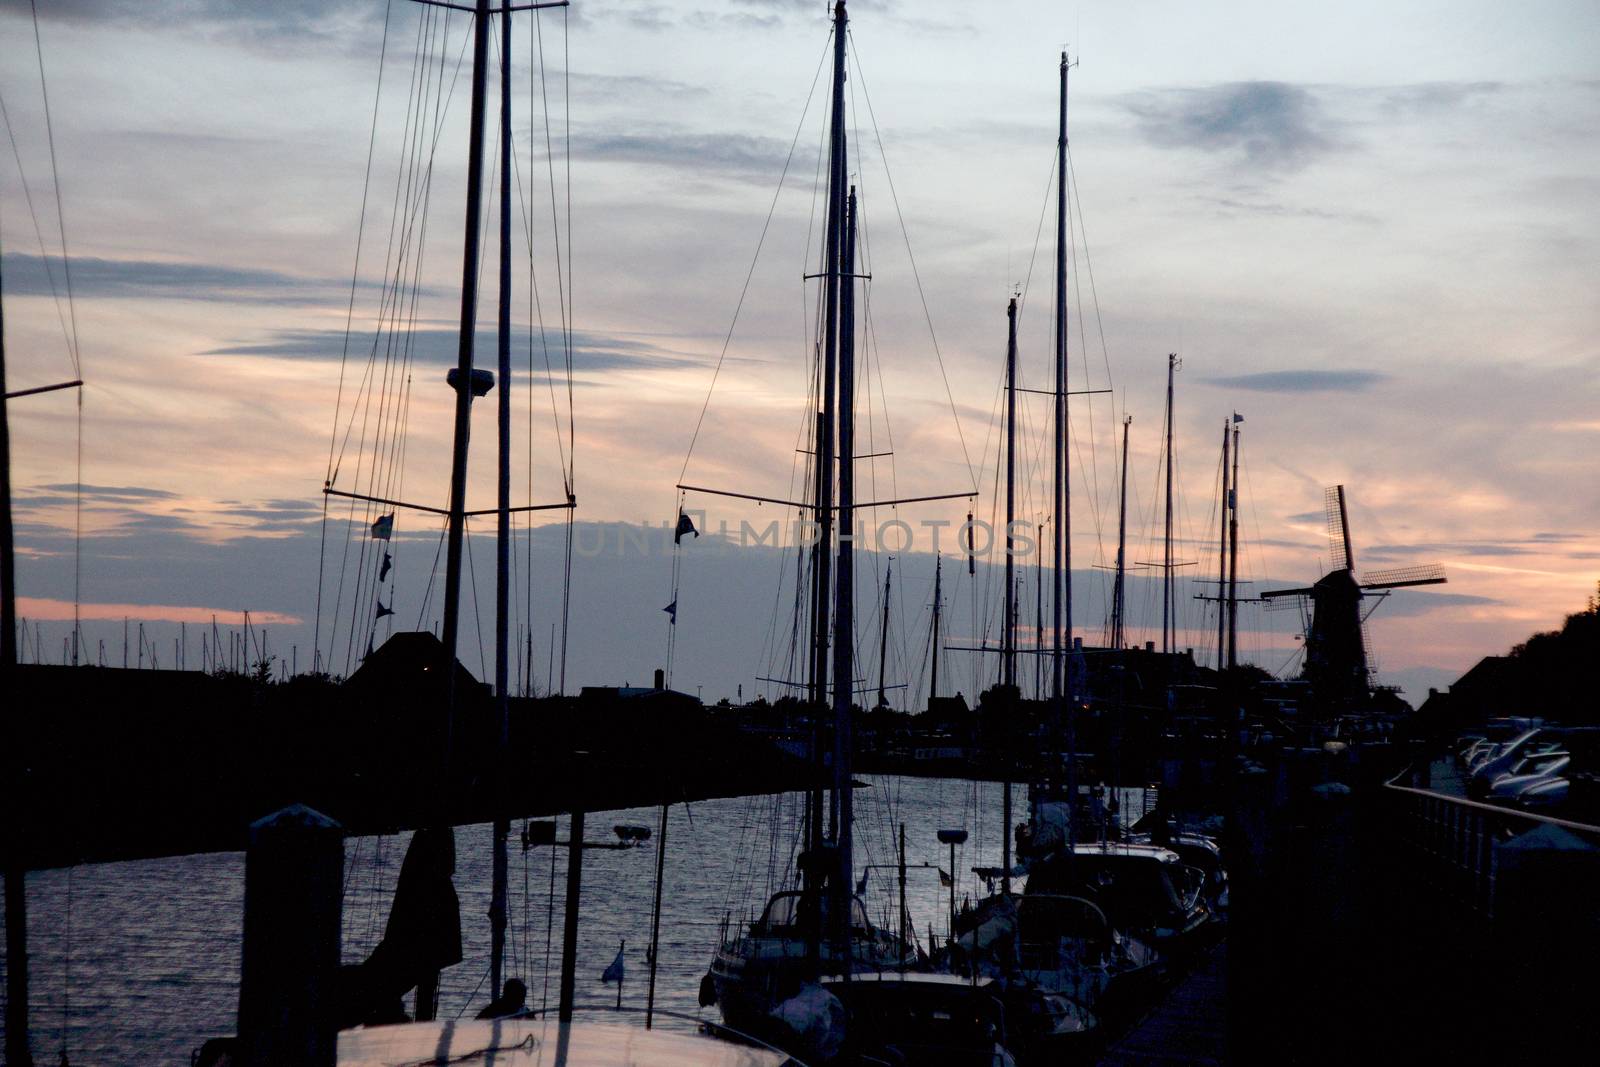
(1337, 650)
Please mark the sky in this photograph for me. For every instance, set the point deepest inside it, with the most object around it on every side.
(1370, 231)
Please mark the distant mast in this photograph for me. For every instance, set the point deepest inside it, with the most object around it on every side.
(883, 636)
(938, 594)
(1119, 599)
(1061, 569)
(1222, 556)
(1168, 630)
(1233, 553)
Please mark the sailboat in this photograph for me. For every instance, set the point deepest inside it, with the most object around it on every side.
(419, 939)
(1056, 936)
(820, 929)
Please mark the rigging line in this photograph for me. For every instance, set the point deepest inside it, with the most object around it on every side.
(916, 275)
(1083, 232)
(44, 253)
(55, 176)
(745, 289)
(416, 197)
(361, 226)
(555, 221)
(572, 429)
(1088, 262)
(536, 308)
(433, 577)
(1038, 236)
(441, 100)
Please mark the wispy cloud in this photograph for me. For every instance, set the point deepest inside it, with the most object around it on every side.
(730, 154)
(252, 21)
(1270, 125)
(30, 275)
(440, 345)
(1301, 381)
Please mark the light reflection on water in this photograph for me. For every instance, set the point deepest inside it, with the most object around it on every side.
(153, 966)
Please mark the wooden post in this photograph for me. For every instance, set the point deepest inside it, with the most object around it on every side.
(569, 930)
(293, 893)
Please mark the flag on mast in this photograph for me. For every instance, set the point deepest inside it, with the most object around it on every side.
(614, 973)
(685, 526)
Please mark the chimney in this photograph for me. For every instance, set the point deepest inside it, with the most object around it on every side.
(1149, 646)
(661, 678)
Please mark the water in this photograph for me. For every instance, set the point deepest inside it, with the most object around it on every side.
(149, 951)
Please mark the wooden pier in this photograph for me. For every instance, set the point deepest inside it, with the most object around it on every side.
(1189, 1026)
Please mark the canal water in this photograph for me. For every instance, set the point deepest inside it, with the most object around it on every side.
(139, 962)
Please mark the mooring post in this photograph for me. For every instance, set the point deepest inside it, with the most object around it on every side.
(293, 892)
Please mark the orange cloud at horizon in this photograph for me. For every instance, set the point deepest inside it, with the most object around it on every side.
(52, 610)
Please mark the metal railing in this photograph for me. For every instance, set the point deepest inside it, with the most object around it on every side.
(1450, 843)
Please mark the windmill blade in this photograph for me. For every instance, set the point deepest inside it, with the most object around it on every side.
(1338, 528)
(1398, 577)
(1280, 601)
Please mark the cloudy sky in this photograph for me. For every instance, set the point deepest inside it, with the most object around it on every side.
(1371, 231)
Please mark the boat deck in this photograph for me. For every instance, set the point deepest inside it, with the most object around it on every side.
(1188, 1026)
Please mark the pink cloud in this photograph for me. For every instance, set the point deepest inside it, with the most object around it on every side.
(62, 611)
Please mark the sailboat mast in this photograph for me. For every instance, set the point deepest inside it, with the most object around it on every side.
(1118, 602)
(883, 635)
(844, 646)
(502, 554)
(1061, 568)
(1008, 632)
(1038, 609)
(1008, 639)
(1222, 552)
(1233, 554)
(838, 166)
(463, 384)
(938, 594)
(17, 1050)
(1167, 629)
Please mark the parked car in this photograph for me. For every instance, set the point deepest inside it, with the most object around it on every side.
(1545, 797)
(1528, 772)
(1531, 743)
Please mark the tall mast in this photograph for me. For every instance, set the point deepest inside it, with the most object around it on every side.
(837, 167)
(938, 594)
(883, 635)
(1222, 550)
(844, 645)
(1061, 570)
(427, 991)
(1233, 553)
(463, 382)
(1167, 629)
(1118, 603)
(1038, 609)
(502, 554)
(1008, 633)
(17, 1050)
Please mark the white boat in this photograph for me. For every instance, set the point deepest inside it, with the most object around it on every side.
(543, 1043)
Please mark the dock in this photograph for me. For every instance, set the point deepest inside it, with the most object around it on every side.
(1189, 1025)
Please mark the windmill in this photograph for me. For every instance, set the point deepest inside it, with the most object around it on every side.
(1337, 649)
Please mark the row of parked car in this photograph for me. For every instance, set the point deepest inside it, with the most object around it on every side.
(1524, 764)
